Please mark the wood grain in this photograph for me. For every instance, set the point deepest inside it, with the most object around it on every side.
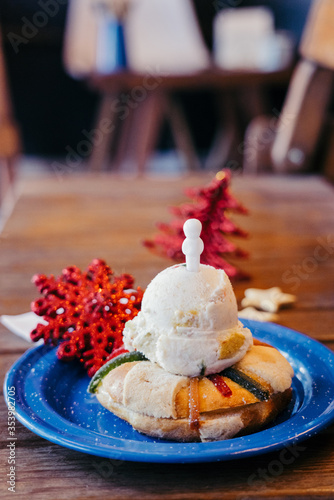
(71, 221)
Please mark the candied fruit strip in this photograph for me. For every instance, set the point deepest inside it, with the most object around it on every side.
(194, 404)
(220, 385)
(247, 383)
(126, 357)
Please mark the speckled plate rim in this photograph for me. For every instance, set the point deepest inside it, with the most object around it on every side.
(311, 411)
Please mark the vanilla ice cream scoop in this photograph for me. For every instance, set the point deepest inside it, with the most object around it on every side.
(188, 322)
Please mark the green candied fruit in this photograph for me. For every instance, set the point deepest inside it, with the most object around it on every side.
(246, 382)
(126, 357)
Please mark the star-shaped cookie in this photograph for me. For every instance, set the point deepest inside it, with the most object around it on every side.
(270, 300)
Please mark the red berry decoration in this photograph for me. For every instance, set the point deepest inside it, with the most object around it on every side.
(86, 312)
(210, 205)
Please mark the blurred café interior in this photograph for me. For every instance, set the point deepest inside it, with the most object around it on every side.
(164, 86)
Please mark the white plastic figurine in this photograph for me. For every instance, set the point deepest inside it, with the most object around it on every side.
(192, 246)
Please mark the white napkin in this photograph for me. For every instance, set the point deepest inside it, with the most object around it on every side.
(23, 324)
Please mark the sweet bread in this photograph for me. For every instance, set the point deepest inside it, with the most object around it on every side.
(159, 403)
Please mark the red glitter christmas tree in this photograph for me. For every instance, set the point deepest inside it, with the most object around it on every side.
(211, 205)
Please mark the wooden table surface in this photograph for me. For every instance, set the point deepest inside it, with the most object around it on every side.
(56, 223)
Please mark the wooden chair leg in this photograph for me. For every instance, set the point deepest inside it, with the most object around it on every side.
(259, 138)
(7, 177)
(104, 134)
(181, 134)
(10, 144)
(227, 136)
(148, 128)
(327, 152)
(9, 150)
(139, 133)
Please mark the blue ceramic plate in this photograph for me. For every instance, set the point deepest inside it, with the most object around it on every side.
(52, 401)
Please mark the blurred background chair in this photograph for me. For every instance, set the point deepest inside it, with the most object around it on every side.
(290, 141)
(9, 135)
